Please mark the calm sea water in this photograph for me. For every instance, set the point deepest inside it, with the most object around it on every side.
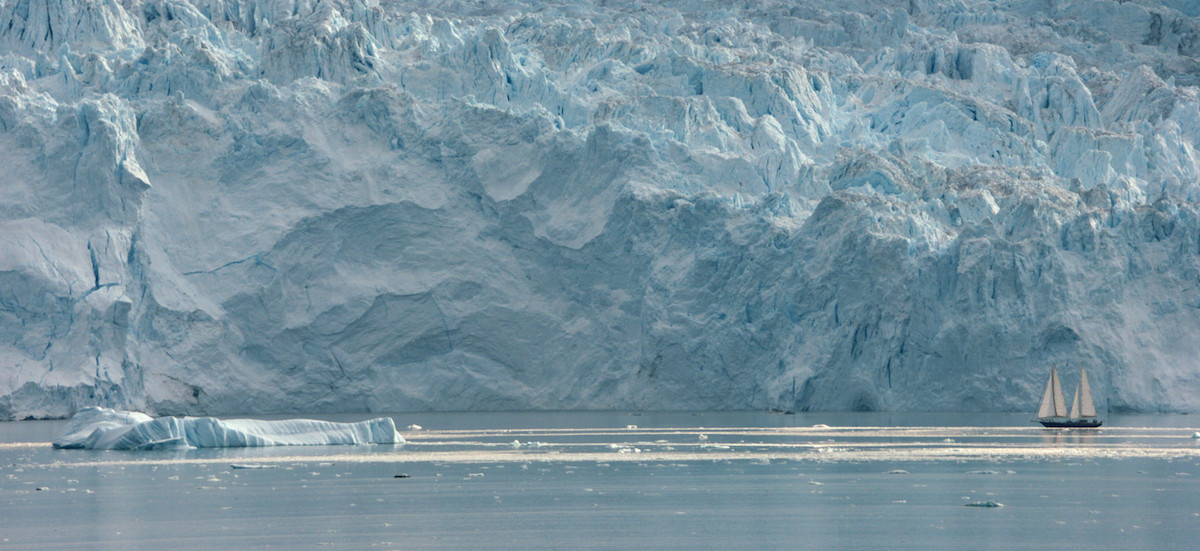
(621, 480)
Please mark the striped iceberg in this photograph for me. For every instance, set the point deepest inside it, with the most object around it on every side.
(97, 428)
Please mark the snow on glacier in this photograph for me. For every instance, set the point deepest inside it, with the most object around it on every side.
(210, 206)
(97, 428)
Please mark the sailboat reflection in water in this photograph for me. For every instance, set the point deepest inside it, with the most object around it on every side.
(1053, 411)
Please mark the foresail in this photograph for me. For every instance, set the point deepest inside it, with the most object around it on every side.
(1087, 406)
(1075, 404)
(1047, 407)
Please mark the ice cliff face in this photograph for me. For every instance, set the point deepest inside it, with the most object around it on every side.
(211, 206)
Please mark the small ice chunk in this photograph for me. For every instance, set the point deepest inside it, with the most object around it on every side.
(252, 466)
(414, 426)
(897, 471)
(984, 504)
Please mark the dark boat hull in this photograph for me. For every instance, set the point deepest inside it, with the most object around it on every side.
(1070, 423)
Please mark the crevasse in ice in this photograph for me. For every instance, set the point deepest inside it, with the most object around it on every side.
(361, 205)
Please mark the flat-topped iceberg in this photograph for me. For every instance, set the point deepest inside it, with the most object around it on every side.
(97, 428)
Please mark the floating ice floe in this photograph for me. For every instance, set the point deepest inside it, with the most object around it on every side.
(97, 428)
(984, 504)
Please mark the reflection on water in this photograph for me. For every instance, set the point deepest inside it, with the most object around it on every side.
(1069, 436)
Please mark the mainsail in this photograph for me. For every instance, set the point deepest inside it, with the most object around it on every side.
(1053, 403)
(1085, 390)
(1083, 406)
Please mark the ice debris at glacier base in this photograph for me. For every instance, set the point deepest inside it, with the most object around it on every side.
(97, 428)
(355, 205)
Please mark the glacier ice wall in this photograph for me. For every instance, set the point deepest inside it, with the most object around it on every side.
(211, 206)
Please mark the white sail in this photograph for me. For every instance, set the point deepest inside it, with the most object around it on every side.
(1060, 404)
(1053, 403)
(1047, 407)
(1087, 408)
(1075, 404)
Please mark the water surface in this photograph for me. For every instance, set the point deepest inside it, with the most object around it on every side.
(623, 480)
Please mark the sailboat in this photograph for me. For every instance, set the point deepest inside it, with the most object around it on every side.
(1053, 411)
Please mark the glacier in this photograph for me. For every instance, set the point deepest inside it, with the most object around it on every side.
(97, 428)
(211, 207)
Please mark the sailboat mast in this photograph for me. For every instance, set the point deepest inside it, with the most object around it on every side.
(1075, 404)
